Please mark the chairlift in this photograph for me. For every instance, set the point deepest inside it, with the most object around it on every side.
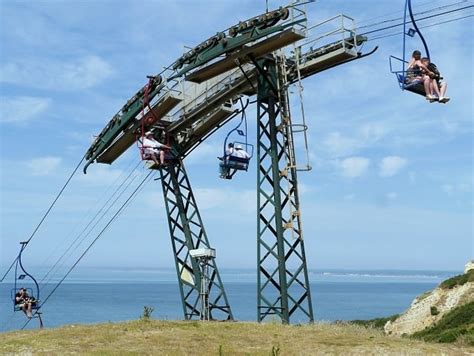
(404, 76)
(236, 154)
(145, 155)
(33, 292)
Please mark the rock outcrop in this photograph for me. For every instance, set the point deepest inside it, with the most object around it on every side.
(469, 266)
(429, 308)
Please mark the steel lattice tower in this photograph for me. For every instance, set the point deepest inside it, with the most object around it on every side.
(283, 285)
(187, 233)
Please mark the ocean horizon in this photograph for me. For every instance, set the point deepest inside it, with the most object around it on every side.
(102, 294)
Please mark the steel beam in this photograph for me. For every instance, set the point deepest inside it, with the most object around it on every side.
(187, 233)
(282, 282)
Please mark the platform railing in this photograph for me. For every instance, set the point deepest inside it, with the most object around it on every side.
(342, 28)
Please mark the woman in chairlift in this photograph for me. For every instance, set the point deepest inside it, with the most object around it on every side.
(152, 149)
(419, 73)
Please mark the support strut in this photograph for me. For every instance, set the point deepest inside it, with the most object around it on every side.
(187, 233)
(282, 282)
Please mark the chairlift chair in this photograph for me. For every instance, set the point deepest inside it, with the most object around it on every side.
(231, 163)
(21, 275)
(403, 75)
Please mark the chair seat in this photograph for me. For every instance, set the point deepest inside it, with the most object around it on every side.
(238, 163)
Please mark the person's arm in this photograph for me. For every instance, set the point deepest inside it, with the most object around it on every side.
(411, 63)
(425, 69)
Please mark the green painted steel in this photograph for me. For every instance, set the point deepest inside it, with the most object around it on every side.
(229, 44)
(187, 233)
(282, 282)
(120, 121)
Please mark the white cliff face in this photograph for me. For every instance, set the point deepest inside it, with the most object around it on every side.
(429, 308)
(469, 266)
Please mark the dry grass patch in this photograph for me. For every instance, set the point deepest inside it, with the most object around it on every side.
(213, 338)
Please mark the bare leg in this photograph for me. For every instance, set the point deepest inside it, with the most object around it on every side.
(426, 84)
(29, 311)
(162, 157)
(155, 159)
(435, 88)
(444, 86)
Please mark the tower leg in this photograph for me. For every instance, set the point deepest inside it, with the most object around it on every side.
(283, 284)
(187, 233)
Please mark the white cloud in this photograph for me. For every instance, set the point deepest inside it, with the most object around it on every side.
(44, 165)
(338, 144)
(353, 167)
(391, 165)
(461, 188)
(20, 109)
(101, 175)
(231, 200)
(366, 135)
(83, 73)
(205, 153)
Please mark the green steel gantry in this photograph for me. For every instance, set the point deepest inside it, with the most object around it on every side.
(245, 60)
(282, 282)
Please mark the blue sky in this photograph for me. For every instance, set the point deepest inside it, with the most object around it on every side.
(391, 185)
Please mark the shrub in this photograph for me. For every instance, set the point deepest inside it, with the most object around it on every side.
(146, 313)
(455, 325)
(434, 310)
(458, 280)
(377, 323)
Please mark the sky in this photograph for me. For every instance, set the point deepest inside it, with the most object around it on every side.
(391, 184)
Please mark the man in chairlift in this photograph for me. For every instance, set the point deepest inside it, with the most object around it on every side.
(419, 73)
(25, 302)
(152, 149)
(240, 152)
(438, 85)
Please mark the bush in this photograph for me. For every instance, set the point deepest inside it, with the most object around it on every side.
(458, 280)
(146, 313)
(434, 311)
(377, 323)
(455, 325)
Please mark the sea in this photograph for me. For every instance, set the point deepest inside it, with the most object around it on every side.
(98, 295)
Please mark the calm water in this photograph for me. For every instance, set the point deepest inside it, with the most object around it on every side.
(92, 296)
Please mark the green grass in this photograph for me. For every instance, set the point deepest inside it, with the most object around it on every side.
(457, 325)
(458, 280)
(377, 323)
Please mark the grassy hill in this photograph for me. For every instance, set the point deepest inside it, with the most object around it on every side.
(217, 338)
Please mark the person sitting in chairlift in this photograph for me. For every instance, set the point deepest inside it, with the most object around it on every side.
(438, 86)
(240, 152)
(25, 302)
(229, 151)
(154, 149)
(419, 73)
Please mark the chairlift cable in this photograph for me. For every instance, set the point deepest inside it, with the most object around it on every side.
(90, 211)
(418, 13)
(420, 19)
(80, 237)
(426, 26)
(81, 240)
(112, 219)
(45, 215)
